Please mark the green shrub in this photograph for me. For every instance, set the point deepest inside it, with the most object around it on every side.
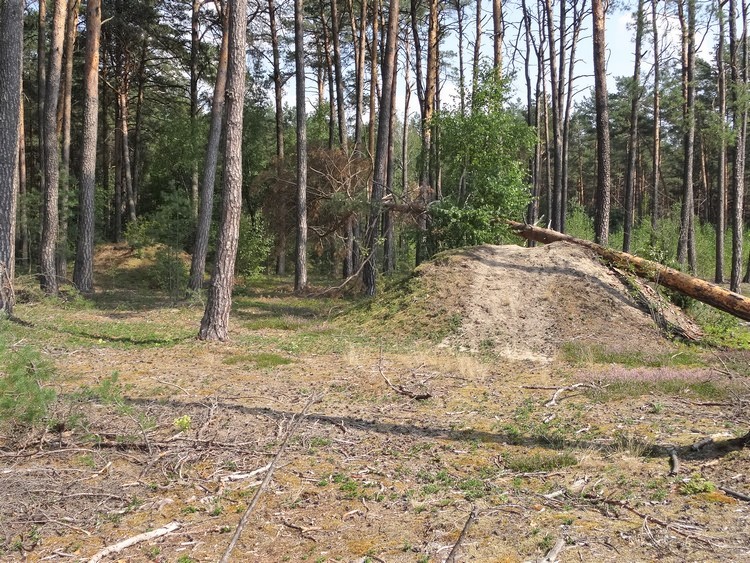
(254, 246)
(24, 400)
(169, 272)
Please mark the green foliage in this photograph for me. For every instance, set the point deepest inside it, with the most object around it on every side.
(170, 224)
(255, 245)
(169, 273)
(24, 400)
(695, 485)
(486, 149)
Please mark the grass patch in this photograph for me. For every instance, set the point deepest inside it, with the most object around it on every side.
(272, 323)
(263, 360)
(540, 462)
(623, 389)
(583, 354)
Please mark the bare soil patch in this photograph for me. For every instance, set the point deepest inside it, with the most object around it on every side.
(179, 434)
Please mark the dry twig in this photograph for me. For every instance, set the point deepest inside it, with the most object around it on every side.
(469, 521)
(400, 389)
(245, 517)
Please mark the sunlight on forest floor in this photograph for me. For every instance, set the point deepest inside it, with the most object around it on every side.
(151, 426)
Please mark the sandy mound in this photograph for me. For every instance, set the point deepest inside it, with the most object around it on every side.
(525, 303)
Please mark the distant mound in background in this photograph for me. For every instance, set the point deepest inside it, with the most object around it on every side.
(524, 304)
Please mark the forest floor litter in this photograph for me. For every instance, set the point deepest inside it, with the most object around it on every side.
(504, 404)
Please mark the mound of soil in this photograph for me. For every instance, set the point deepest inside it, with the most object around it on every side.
(526, 303)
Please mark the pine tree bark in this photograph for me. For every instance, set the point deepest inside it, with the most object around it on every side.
(205, 211)
(686, 243)
(194, 47)
(738, 66)
(50, 213)
(602, 199)
(477, 49)
(215, 322)
(340, 100)
(279, 115)
(557, 133)
(11, 47)
(635, 97)
(359, 79)
(41, 55)
(369, 273)
(656, 149)
(497, 36)
(66, 101)
(373, 76)
(83, 271)
(721, 221)
(300, 272)
(22, 234)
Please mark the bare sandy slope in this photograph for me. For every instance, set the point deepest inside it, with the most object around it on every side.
(525, 303)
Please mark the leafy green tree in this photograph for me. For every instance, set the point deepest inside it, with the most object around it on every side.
(489, 146)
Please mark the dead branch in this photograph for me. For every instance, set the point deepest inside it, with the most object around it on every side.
(469, 521)
(246, 516)
(700, 444)
(667, 525)
(674, 463)
(553, 401)
(735, 494)
(146, 536)
(552, 554)
(401, 390)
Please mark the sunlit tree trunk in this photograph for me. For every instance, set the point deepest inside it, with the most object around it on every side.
(279, 107)
(194, 47)
(300, 274)
(497, 36)
(635, 97)
(11, 47)
(381, 155)
(373, 76)
(686, 243)
(721, 187)
(602, 202)
(215, 322)
(361, 32)
(50, 213)
(556, 199)
(65, 106)
(477, 49)
(205, 211)
(41, 85)
(83, 271)
(656, 149)
(340, 101)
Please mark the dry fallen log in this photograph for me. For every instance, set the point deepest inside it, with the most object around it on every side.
(728, 301)
(146, 536)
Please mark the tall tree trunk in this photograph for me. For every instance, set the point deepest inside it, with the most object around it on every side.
(70, 37)
(41, 85)
(497, 36)
(477, 49)
(83, 271)
(635, 97)
(11, 47)
(578, 16)
(203, 228)
(125, 147)
(405, 130)
(656, 150)
(22, 234)
(686, 244)
(389, 240)
(137, 134)
(300, 273)
(340, 101)
(459, 7)
(50, 213)
(215, 322)
(721, 188)
(373, 76)
(556, 120)
(276, 85)
(359, 33)
(601, 222)
(369, 273)
(194, 47)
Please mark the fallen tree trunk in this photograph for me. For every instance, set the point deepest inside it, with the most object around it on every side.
(728, 301)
